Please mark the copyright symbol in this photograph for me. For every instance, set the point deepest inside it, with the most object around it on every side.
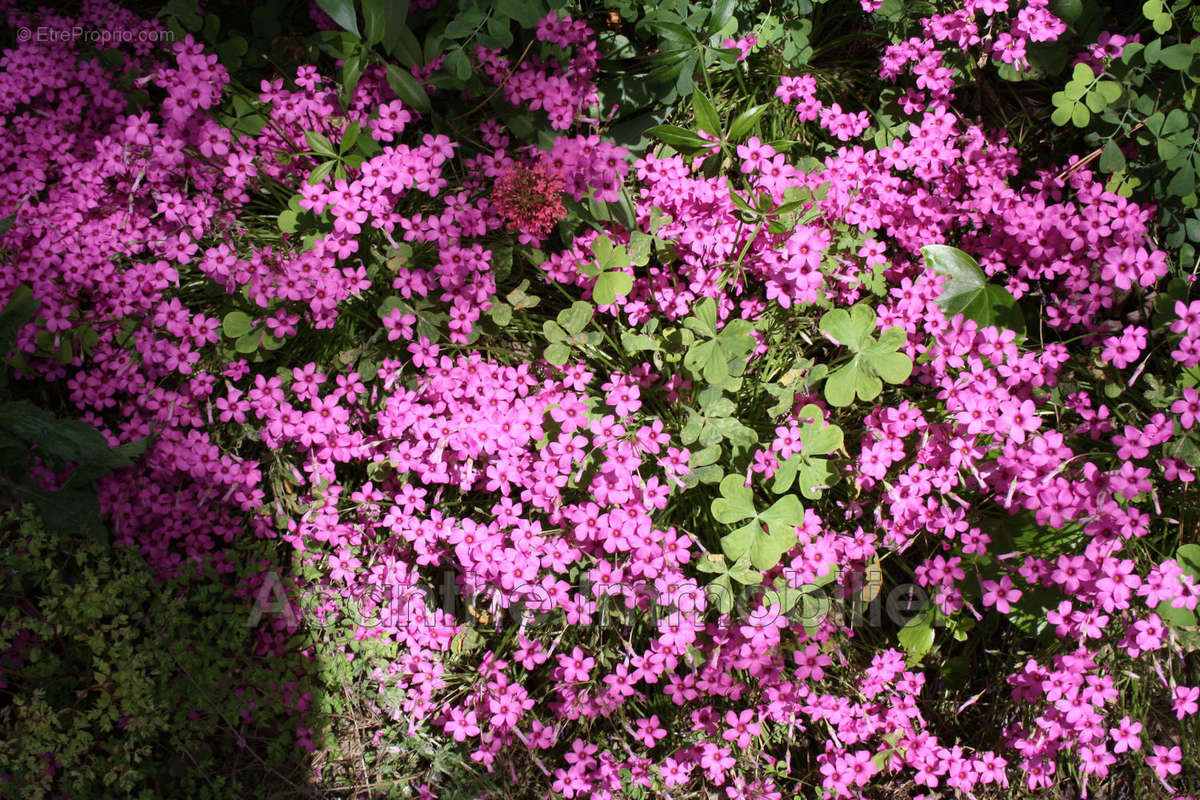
(24, 34)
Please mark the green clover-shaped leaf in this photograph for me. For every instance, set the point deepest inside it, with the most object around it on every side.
(768, 534)
(874, 359)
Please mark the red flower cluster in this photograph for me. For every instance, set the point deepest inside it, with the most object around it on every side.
(530, 199)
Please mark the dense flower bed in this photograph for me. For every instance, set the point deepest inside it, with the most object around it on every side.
(512, 469)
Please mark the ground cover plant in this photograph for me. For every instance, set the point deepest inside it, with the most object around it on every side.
(618, 400)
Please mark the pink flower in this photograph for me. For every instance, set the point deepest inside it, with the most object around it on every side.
(1000, 594)
(742, 728)
(1165, 761)
(1187, 407)
(1186, 698)
(1125, 735)
(649, 731)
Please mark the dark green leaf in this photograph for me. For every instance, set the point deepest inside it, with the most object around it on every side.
(744, 122)
(320, 144)
(1111, 158)
(966, 290)
(706, 114)
(1177, 57)
(407, 88)
(375, 20)
(62, 439)
(526, 12)
(342, 12)
(681, 139)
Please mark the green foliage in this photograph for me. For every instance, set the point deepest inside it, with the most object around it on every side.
(1140, 115)
(567, 333)
(32, 435)
(609, 270)
(717, 355)
(807, 469)
(118, 684)
(968, 292)
(767, 535)
(721, 587)
(917, 636)
(874, 360)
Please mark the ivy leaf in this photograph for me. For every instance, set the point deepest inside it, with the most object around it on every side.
(967, 290)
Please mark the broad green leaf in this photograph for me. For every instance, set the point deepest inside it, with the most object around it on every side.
(704, 318)
(841, 385)
(681, 139)
(236, 323)
(707, 359)
(813, 476)
(818, 438)
(526, 12)
(320, 144)
(18, 312)
(640, 245)
(1068, 11)
(375, 14)
(72, 511)
(1080, 116)
(342, 12)
(744, 122)
(1109, 90)
(288, 220)
(407, 88)
(706, 114)
(764, 546)
(916, 637)
(61, 439)
(611, 285)
(736, 502)
(849, 329)
(783, 515)
(1188, 558)
(557, 353)
(322, 170)
(577, 317)
(705, 457)
(966, 290)
(1111, 157)
(464, 24)
(248, 342)
(399, 40)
